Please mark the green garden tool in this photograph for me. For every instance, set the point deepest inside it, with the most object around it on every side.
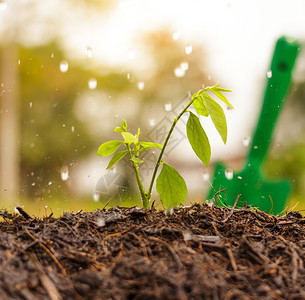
(269, 196)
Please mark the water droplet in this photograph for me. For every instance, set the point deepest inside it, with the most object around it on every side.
(179, 72)
(64, 66)
(18, 61)
(269, 74)
(31, 104)
(89, 52)
(176, 36)
(255, 147)
(206, 176)
(188, 49)
(210, 202)
(229, 173)
(141, 85)
(101, 222)
(33, 184)
(184, 66)
(52, 55)
(239, 177)
(128, 75)
(96, 197)
(152, 122)
(50, 183)
(246, 141)
(168, 107)
(92, 83)
(64, 173)
(72, 128)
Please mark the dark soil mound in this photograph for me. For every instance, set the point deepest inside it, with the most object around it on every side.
(199, 252)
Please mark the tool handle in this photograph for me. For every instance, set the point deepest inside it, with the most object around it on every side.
(284, 57)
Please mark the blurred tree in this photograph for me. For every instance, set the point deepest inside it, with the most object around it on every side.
(51, 134)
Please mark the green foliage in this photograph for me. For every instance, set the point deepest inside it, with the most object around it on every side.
(170, 185)
(198, 139)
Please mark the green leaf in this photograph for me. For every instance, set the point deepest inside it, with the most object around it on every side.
(137, 160)
(171, 186)
(222, 97)
(124, 125)
(217, 115)
(108, 148)
(118, 129)
(198, 139)
(116, 157)
(199, 106)
(128, 138)
(148, 145)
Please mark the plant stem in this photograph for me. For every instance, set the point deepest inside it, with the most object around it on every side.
(144, 197)
(163, 148)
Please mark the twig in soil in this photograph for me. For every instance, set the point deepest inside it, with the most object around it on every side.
(170, 249)
(254, 253)
(23, 213)
(47, 251)
(45, 280)
(232, 210)
(231, 257)
(214, 200)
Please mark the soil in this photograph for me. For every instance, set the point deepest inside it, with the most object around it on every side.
(199, 252)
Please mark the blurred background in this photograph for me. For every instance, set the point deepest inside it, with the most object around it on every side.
(70, 71)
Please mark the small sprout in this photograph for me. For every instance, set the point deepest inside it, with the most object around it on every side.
(169, 184)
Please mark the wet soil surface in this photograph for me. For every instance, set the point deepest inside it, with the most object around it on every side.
(199, 252)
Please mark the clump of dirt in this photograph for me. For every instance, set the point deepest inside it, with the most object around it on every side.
(199, 252)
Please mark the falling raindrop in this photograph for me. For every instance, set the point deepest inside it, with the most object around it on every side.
(206, 176)
(188, 49)
(179, 72)
(141, 85)
(269, 74)
(239, 177)
(18, 61)
(31, 104)
(52, 55)
(89, 52)
(64, 173)
(184, 66)
(176, 36)
(64, 66)
(152, 122)
(92, 83)
(72, 128)
(33, 184)
(229, 173)
(246, 141)
(96, 197)
(168, 107)
(128, 75)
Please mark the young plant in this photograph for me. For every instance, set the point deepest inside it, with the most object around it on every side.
(170, 185)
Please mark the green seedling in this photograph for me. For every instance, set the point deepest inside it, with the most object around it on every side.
(170, 185)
